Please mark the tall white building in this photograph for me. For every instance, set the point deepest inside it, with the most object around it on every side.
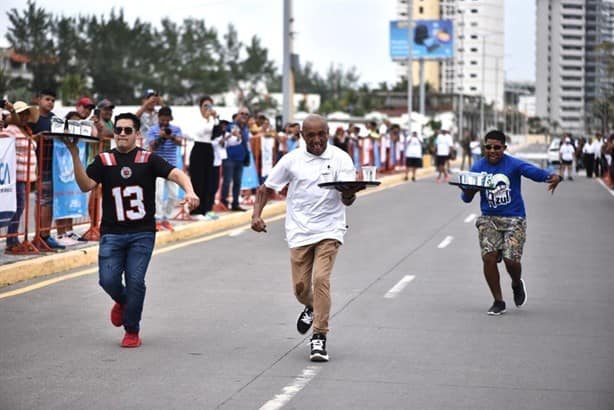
(477, 68)
(570, 69)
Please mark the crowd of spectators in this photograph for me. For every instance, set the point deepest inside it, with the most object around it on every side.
(221, 150)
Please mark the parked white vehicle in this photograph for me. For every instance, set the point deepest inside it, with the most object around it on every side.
(553, 151)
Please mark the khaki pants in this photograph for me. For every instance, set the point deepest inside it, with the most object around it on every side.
(311, 269)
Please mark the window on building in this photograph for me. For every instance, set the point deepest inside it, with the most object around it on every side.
(473, 49)
(473, 75)
(421, 10)
(473, 89)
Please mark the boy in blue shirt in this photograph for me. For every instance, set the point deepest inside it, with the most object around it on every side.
(502, 226)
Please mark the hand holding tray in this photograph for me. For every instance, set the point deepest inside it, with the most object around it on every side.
(348, 185)
(86, 138)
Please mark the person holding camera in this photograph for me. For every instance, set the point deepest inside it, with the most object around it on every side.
(147, 113)
(164, 139)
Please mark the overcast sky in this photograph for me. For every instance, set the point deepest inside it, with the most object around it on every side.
(342, 32)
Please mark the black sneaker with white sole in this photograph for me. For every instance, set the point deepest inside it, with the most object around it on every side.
(497, 308)
(318, 348)
(305, 319)
(520, 294)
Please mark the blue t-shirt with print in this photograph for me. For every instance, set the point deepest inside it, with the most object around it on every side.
(506, 198)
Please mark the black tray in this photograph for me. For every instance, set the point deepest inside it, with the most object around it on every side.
(86, 138)
(350, 184)
(467, 186)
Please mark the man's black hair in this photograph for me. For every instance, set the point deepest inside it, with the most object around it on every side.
(136, 122)
(165, 111)
(203, 99)
(48, 91)
(495, 135)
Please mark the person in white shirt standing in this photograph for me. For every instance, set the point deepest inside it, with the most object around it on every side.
(413, 155)
(315, 222)
(443, 145)
(567, 153)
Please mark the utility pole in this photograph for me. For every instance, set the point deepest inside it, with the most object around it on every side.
(461, 70)
(422, 92)
(482, 130)
(287, 63)
(496, 92)
(409, 64)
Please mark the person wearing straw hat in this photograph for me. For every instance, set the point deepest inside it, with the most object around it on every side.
(25, 150)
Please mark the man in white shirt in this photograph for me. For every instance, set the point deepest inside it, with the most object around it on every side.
(315, 222)
(567, 154)
(443, 145)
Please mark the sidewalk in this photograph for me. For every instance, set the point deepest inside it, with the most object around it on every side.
(15, 269)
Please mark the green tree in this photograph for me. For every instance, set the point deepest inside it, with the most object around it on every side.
(29, 34)
(72, 87)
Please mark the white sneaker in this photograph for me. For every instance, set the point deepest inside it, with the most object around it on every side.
(66, 240)
(73, 235)
(199, 217)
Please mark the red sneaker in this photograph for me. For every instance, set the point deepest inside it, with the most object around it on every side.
(131, 340)
(117, 315)
(167, 225)
(158, 226)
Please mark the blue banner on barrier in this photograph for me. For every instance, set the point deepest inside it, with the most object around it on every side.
(249, 180)
(68, 200)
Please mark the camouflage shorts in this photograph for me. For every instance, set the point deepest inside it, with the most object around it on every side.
(506, 234)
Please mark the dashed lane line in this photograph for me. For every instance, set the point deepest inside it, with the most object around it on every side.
(292, 389)
(89, 271)
(396, 289)
(470, 218)
(447, 240)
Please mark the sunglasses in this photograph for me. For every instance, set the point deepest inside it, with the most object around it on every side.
(493, 147)
(126, 130)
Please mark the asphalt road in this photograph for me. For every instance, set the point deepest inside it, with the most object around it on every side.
(409, 327)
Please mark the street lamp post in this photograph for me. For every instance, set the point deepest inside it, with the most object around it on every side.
(409, 64)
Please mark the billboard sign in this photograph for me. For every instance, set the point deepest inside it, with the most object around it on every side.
(430, 39)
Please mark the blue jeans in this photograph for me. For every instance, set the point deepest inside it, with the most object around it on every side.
(127, 253)
(232, 170)
(13, 228)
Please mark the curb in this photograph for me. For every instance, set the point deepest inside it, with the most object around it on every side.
(61, 262)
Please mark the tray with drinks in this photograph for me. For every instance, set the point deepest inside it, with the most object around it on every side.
(474, 180)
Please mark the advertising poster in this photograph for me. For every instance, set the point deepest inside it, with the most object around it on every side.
(430, 40)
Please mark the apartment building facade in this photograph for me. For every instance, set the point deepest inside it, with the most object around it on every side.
(571, 70)
(477, 68)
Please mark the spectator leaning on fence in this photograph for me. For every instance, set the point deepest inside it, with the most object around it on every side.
(46, 104)
(164, 139)
(25, 150)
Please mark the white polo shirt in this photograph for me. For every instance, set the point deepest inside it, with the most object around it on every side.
(312, 213)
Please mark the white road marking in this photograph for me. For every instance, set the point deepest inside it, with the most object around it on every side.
(607, 188)
(447, 240)
(89, 271)
(290, 390)
(470, 218)
(236, 232)
(396, 289)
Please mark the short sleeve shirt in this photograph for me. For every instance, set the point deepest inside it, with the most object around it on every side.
(312, 213)
(128, 189)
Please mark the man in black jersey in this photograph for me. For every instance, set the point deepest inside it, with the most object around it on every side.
(128, 228)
